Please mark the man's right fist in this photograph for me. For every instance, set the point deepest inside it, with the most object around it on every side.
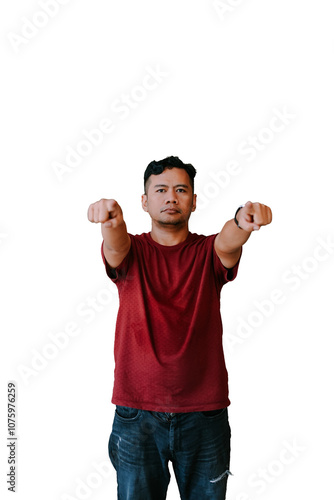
(108, 212)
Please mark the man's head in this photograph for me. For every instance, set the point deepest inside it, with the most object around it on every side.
(169, 191)
(157, 167)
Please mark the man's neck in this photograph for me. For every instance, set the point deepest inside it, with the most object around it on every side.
(169, 235)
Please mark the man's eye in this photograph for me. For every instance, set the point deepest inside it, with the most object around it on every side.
(182, 190)
(160, 190)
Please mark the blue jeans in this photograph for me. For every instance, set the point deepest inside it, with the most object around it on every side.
(197, 443)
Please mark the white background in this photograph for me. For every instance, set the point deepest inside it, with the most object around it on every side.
(223, 75)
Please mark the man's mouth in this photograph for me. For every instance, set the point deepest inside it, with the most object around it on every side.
(171, 211)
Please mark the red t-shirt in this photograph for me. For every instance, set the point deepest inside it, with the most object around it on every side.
(168, 340)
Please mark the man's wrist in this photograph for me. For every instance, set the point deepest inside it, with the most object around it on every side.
(235, 216)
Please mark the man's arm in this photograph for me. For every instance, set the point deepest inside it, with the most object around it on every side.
(116, 241)
(229, 241)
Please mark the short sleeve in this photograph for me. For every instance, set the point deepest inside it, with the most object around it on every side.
(222, 273)
(119, 273)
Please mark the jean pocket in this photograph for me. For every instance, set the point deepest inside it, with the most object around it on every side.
(126, 413)
(111, 452)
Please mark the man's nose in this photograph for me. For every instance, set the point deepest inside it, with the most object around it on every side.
(171, 197)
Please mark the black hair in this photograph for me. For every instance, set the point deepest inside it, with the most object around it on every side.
(157, 167)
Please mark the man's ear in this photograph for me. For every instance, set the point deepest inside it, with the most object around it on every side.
(144, 202)
(194, 203)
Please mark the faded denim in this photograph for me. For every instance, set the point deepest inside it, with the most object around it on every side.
(197, 444)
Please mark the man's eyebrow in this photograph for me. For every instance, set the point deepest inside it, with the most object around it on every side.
(177, 185)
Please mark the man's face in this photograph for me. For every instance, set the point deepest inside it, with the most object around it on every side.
(169, 198)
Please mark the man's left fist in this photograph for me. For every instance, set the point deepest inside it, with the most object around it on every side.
(254, 215)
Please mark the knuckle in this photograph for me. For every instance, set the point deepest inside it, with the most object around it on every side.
(112, 203)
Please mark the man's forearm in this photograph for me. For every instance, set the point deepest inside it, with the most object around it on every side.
(116, 241)
(116, 238)
(231, 238)
(229, 241)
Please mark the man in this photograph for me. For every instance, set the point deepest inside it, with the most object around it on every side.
(171, 386)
